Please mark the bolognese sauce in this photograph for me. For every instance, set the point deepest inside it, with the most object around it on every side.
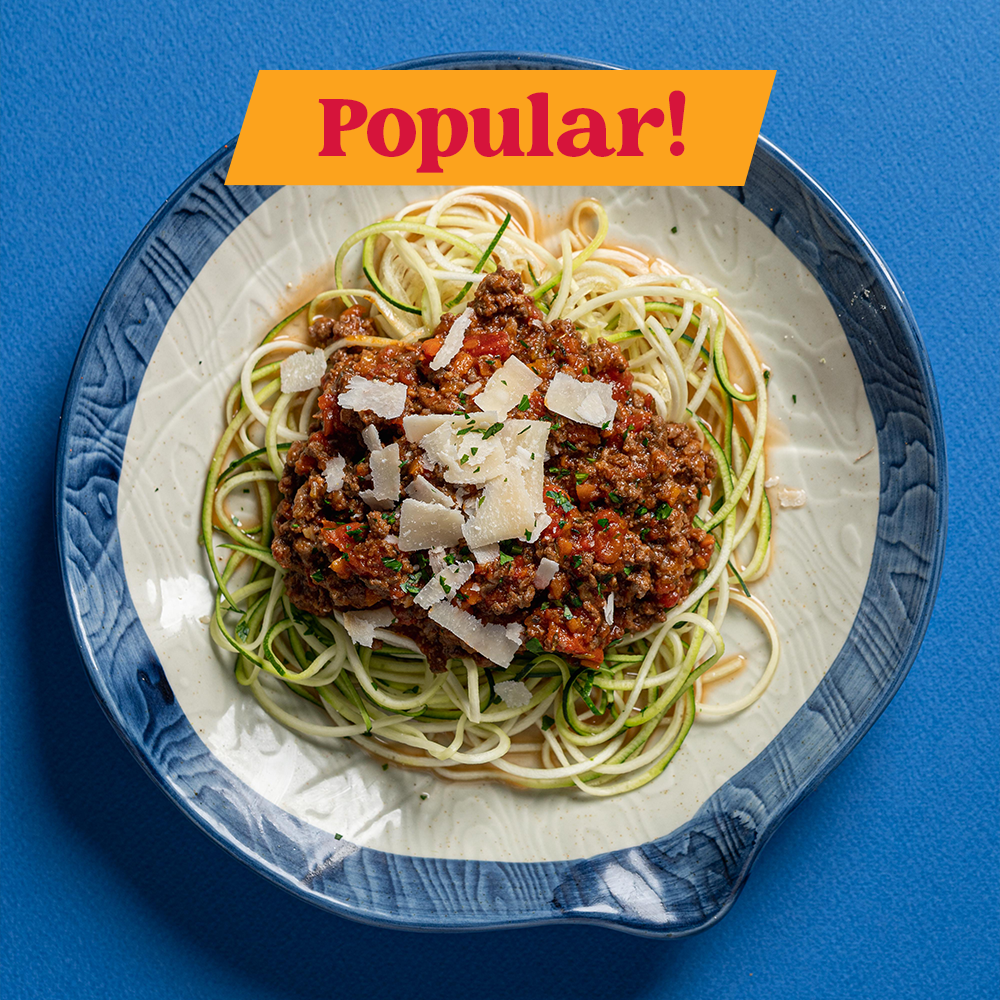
(620, 499)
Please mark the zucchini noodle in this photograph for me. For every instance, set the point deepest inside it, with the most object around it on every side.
(603, 731)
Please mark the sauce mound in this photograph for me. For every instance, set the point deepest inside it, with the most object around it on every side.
(619, 498)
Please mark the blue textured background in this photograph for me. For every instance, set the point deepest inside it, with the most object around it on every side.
(884, 883)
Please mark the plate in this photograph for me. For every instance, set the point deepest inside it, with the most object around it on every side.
(856, 424)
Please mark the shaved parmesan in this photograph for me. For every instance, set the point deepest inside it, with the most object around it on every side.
(334, 473)
(492, 641)
(370, 437)
(416, 425)
(486, 554)
(591, 403)
(609, 609)
(302, 370)
(384, 399)
(545, 573)
(453, 341)
(465, 454)
(531, 435)
(385, 473)
(506, 511)
(514, 694)
(421, 489)
(444, 584)
(368, 496)
(542, 521)
(508, 386)
(361, 625)
(475, 387)
(525, 441)
(424, 525)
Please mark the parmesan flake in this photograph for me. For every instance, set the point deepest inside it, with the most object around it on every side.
(609, 609)
(506, 511)
(508, 386)
(385, 473)
(334, 473)
(514, 694)
(591, 403)
(368, 496)
(542, 521)
(545, 573)
(486, 554)
(453, 341)
(425, 525)
(492, 641)
(361, 625)
(384, 399)
(302, 370)
(444, 584)
(420, 489)
(370, 437)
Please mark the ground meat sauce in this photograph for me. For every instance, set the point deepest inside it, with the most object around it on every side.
(621, 499)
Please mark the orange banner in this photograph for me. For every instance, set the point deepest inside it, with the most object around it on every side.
(630, 127)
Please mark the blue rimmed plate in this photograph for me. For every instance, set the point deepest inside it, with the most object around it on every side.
(856, 426)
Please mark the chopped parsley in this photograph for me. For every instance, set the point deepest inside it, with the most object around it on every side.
(563, 502)
(318, 575)
(663, 511)
(794, 398)
(504, 559)
(394, 564)
(524, 404)
(615, 498)
(602, 523)
(492, 429)
(547, 723)
(581, 477)
(534, 646)
(463, 460)
(355, 534)
(673, 229)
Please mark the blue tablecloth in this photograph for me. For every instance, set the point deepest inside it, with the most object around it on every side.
(883, 883)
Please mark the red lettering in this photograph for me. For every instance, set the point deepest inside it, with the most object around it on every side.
(510, 144)
(631, 123)
(539, 125)
(333, 124)
(430, 137)
(376, 132)
(595, 133)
